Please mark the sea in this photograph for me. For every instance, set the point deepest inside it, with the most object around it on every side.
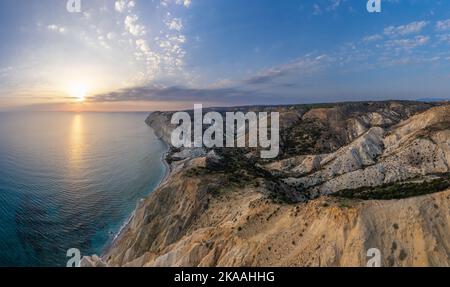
(71, 180)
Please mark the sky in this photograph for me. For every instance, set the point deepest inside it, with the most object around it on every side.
(143, 55)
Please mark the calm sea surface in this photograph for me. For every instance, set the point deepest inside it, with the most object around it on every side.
(71, 180)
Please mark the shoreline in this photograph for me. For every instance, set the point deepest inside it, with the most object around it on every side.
(164, 233)
(126, 224)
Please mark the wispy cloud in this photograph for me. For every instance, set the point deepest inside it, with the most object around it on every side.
(411, 28)
(372, 38)
(407, 44)
(379, 50)
(122, 5)
(308, 64)
(5, 71)
(443, 25)
(327, 6)
(147, 50)
(57, 28)
(132, 26)
(334, 4)
(185, 3)
(168, 94)
(174, 23)
(164, 53)
(227, 91)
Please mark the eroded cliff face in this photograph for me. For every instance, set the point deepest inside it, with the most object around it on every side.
(414, 149)
(304, 208)
(185, 223)
(160, 122)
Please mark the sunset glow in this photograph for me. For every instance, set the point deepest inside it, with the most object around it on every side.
(78, 91)
(163, 54)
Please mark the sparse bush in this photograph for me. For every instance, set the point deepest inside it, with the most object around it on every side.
(397, 190)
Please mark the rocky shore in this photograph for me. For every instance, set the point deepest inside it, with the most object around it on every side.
(350, 177)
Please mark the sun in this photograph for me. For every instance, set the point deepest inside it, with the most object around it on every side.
(78, 91)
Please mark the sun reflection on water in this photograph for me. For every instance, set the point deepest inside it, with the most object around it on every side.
(76, 144)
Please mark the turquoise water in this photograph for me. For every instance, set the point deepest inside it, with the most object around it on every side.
(71, 180)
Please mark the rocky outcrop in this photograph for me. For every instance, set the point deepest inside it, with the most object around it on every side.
(229, 208)
(92, 261)
(161, 123)
(185, 224)
(413, 149)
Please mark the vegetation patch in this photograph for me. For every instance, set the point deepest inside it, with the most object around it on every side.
(305, 137)
(397, 190)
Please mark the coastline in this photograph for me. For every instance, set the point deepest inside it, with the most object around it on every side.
(168, 169)
(248, 225)
(126, 225)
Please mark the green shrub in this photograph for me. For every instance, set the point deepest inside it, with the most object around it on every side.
(397, 190)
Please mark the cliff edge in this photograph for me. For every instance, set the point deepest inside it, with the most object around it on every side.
(350, 177)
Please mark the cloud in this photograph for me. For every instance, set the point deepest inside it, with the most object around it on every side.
(293, 80)
(185, 3)
(261, 86)
(388, 47)
(290, 80)
(327, 6)
(143, 46)
(133, 27)
(409, 60)
(123, 5)
(174, 24)
(335, 4)
(161, 54)
(372, 38)
(411, 28)
(111, 36)
(120, 6)
(56, 28)
(5, 71)
(444, 38)
(173, 94)
(184, 96)
(443, 25)
(317, 10)
(302, 66)
(407, 44)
